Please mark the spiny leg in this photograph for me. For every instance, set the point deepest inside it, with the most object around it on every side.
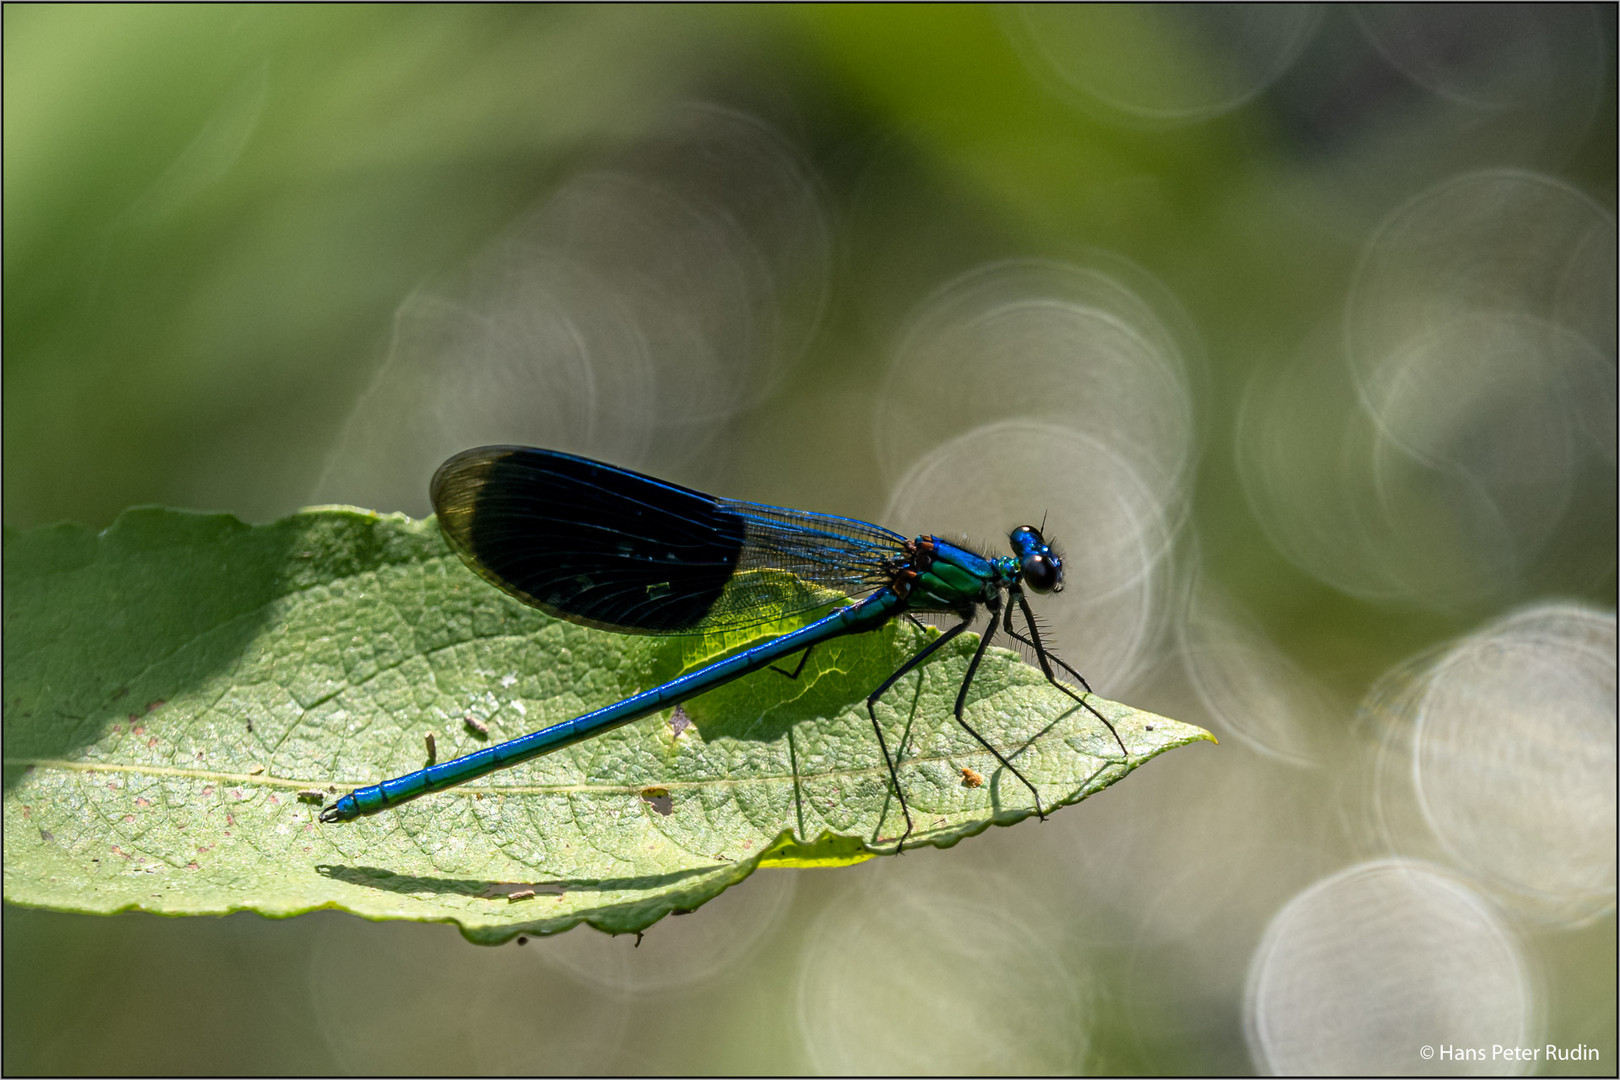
(804, 659)
(961, 702)
(1047, 660)
(1040, 650)
(871, 701)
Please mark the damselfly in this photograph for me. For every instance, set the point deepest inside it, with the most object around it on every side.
(613, 549)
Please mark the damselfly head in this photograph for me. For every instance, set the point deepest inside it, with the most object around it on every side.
(1039, 566)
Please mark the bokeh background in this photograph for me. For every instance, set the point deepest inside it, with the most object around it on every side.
(1297, 325)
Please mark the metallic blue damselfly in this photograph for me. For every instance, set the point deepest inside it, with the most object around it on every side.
(613, 549)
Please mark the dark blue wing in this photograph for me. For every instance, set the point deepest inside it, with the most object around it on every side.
(610, 548)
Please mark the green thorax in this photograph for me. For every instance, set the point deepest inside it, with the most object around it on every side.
(949, 578)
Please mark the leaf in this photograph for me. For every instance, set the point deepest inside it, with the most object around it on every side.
(173, 684)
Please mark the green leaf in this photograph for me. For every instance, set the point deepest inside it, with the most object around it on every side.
(173, 684)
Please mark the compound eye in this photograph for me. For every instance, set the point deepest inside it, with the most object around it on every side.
(1042, 573)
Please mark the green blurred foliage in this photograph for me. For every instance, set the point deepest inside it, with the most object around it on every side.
(213, 214)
